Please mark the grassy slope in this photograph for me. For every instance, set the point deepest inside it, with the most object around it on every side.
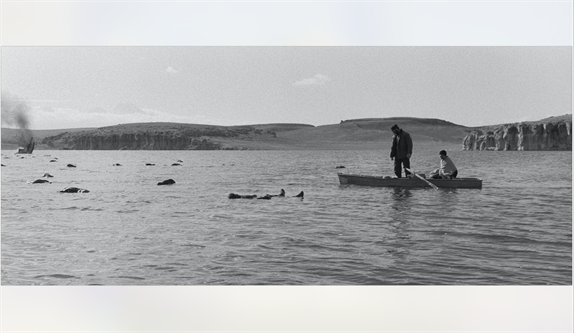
(351, 134)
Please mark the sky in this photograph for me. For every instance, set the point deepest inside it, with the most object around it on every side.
(86, 86)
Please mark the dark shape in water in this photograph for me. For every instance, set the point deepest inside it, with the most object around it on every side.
(167, 182)
(40, 181)
(71, 166)
(74, 190)
(239, 196)
(300, 195)
(28, 149)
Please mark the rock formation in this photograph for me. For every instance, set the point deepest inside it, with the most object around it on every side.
(122, 138)
(523, 136)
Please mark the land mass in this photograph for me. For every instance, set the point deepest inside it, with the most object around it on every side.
(366, 133)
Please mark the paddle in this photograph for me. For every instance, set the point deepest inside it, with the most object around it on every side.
(421, 178)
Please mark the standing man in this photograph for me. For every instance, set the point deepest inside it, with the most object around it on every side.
(401, 150)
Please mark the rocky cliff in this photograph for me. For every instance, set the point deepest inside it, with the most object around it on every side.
(551, 135)
(153, 137)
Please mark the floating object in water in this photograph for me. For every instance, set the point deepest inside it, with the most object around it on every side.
(117, 164)
(386, 181)
(74, 190)
(179, 161)
(149, 164)
(40, 181)
(175, 164)
(47, 175)
(28, 149)
(239, 196)
(300, 195)
(167, 182)
(340, 167)
(71, 166)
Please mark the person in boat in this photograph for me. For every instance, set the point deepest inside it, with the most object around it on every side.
(401, 150)
(447, 168)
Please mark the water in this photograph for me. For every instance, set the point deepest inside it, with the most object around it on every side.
(517, 230)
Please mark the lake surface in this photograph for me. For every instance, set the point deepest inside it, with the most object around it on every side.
(516, 230)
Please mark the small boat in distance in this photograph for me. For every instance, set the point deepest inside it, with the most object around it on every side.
(378, 181)
(28, 149)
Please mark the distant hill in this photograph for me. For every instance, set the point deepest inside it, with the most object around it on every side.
(365, 133)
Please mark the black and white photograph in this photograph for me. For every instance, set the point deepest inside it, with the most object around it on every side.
(286, 166)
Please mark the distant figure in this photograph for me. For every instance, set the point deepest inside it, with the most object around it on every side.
(300, 195)
(401, 150)
(167, 182)
(74, 190)
(47, 175)
(447, 168)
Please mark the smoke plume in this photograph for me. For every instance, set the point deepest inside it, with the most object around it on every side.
(15, 114)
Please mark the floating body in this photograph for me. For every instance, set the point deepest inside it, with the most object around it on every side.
(378, 181)
(269, 196)
(265, 197)
(74, 190)
(39, 181)
(167, 182)
(239, 196)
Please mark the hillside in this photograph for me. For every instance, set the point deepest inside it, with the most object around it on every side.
(371, 133)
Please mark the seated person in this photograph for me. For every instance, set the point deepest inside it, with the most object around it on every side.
(447, 168)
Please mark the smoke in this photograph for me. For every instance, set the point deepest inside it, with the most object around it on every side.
(15, 114)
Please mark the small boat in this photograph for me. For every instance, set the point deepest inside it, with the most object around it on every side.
(378, 181)
(28, 149)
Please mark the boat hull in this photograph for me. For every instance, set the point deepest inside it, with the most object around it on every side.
(28, 149)
(377, 181)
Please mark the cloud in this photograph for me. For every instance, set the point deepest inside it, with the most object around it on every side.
(171, 70)
(318, 79)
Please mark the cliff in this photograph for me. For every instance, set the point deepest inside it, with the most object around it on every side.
(154, 136)
(550, 134)
(354, 134)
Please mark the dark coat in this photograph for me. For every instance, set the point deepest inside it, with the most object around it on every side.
(402, 145)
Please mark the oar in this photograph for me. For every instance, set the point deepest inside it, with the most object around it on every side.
(421, 178)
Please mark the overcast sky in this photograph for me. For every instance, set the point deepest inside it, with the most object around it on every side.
(98, 86)
(93, 86)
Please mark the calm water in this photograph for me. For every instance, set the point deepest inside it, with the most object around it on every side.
(517, 230)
